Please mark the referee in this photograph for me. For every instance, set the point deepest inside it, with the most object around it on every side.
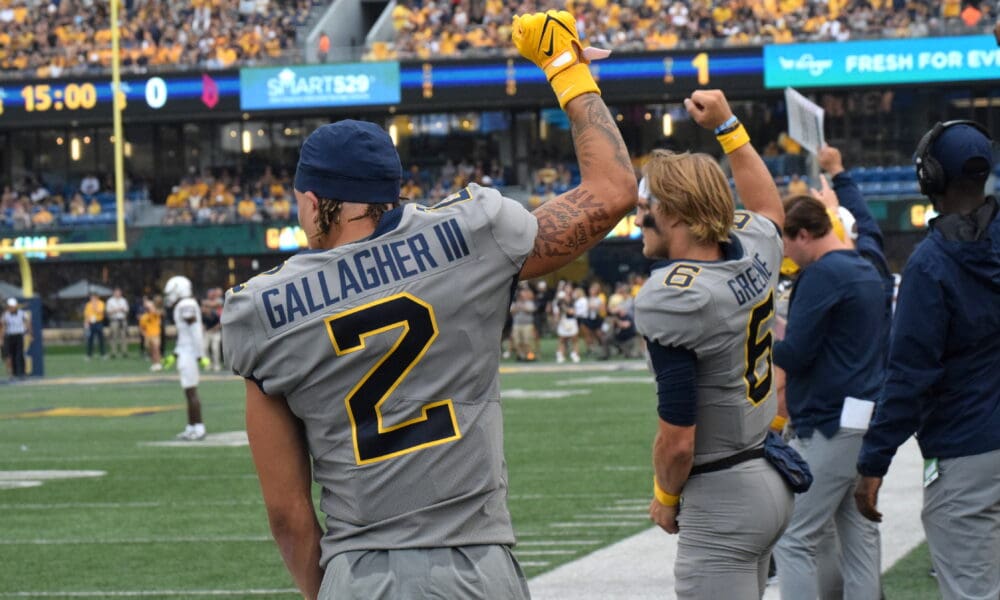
(14, 325)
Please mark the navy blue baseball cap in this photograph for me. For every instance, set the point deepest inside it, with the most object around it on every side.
(963, 151)
(351, 161)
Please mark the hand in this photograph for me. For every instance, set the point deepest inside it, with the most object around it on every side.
(708, 108)
(830, 161)
(542, 38)
(866, 497)
(825, 194)
(550, 41)
(664, 516)
(204, 362)
(169, 361)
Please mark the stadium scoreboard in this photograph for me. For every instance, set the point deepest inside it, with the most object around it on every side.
(89, 100)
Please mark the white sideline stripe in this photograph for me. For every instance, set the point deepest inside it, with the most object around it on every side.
(624, 508)
(558, 543)
(533, 563)
(120, 541)
(117, 505)
(138, 593)
(544, 552)
(46, 475)
(627, 468)
(606, 379)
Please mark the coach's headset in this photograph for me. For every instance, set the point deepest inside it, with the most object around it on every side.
(930, 173)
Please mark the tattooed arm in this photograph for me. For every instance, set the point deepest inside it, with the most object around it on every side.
(575, 221)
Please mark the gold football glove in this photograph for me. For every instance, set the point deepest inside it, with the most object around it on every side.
(550, 41)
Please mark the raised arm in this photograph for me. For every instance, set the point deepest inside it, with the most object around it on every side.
(754, 183)
(575, 221)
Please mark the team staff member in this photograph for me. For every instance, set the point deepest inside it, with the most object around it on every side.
(834, 366)
(13, 326)
(706, 313)
(943, 380)
(369, 369)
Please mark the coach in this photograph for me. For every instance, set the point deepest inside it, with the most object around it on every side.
(833, 355)
(943, 379)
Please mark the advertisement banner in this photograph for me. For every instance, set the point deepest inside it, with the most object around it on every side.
(882, 62)
(318, 86)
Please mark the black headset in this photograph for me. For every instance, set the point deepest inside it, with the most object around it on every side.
(930, 173)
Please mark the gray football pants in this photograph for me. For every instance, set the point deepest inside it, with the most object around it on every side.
(467, 572)
(729, 522)
(962, 520)
(831, 497)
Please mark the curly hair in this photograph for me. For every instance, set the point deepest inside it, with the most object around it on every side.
(328, 214)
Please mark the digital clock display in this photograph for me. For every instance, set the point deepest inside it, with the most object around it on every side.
(59, 101)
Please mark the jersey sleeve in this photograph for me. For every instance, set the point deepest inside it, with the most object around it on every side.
(762, 237)
(514, 228)
(239, 343)
(670, 315)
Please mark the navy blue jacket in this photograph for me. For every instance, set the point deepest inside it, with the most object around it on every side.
(833, 346)
(943, 379)
(869, 243)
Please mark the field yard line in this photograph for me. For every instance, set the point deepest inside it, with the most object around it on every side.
(138, 593)
(640, 567)
(126, 541)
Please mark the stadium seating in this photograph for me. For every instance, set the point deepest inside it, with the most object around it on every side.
(425, 28)
(72, 36)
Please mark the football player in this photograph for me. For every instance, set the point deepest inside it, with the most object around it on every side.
(187, 351)
(706, 312)
(371, 361)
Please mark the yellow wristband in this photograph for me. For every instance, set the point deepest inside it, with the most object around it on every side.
(664, 498)
(571, 82)
(778, 423)
(734, 139)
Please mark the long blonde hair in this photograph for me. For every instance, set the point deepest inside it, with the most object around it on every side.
(694, 189)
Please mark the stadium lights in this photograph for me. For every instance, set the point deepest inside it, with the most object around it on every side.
(394, 134)
(247, 142)
(668, 125)
(74, 149)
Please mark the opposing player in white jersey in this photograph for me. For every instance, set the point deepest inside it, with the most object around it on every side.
(371, 360)
(187, 351)
(706, 312)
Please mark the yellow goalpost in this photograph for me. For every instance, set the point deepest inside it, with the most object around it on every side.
(118, 244)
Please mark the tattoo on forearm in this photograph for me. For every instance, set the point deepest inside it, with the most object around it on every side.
(565, 228)
(579, 219)
(593, 126)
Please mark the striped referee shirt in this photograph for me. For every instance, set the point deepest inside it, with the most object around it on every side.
(13, 322)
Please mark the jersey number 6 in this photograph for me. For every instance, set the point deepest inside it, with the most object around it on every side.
(373, 440)
(758, 348)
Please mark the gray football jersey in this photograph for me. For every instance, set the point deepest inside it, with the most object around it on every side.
(723, 312)
(388, 350)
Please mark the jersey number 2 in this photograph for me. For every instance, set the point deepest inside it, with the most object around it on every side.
(373, 440)
(758, 348)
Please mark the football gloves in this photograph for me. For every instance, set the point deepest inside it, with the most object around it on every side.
(550, 40)
(204, 362)
(169, 361)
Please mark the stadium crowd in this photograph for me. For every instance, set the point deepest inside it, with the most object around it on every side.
(51, 38)
(429, 28)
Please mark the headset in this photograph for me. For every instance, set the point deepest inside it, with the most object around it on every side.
(930, 173)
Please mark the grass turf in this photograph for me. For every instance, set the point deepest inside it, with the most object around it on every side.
(180, 520)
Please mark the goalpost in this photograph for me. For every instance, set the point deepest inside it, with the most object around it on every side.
(33, 342)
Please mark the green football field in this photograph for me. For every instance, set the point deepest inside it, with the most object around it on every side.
(116, 508)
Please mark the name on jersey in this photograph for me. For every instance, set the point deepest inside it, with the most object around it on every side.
(369, 268)
(752, 282)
